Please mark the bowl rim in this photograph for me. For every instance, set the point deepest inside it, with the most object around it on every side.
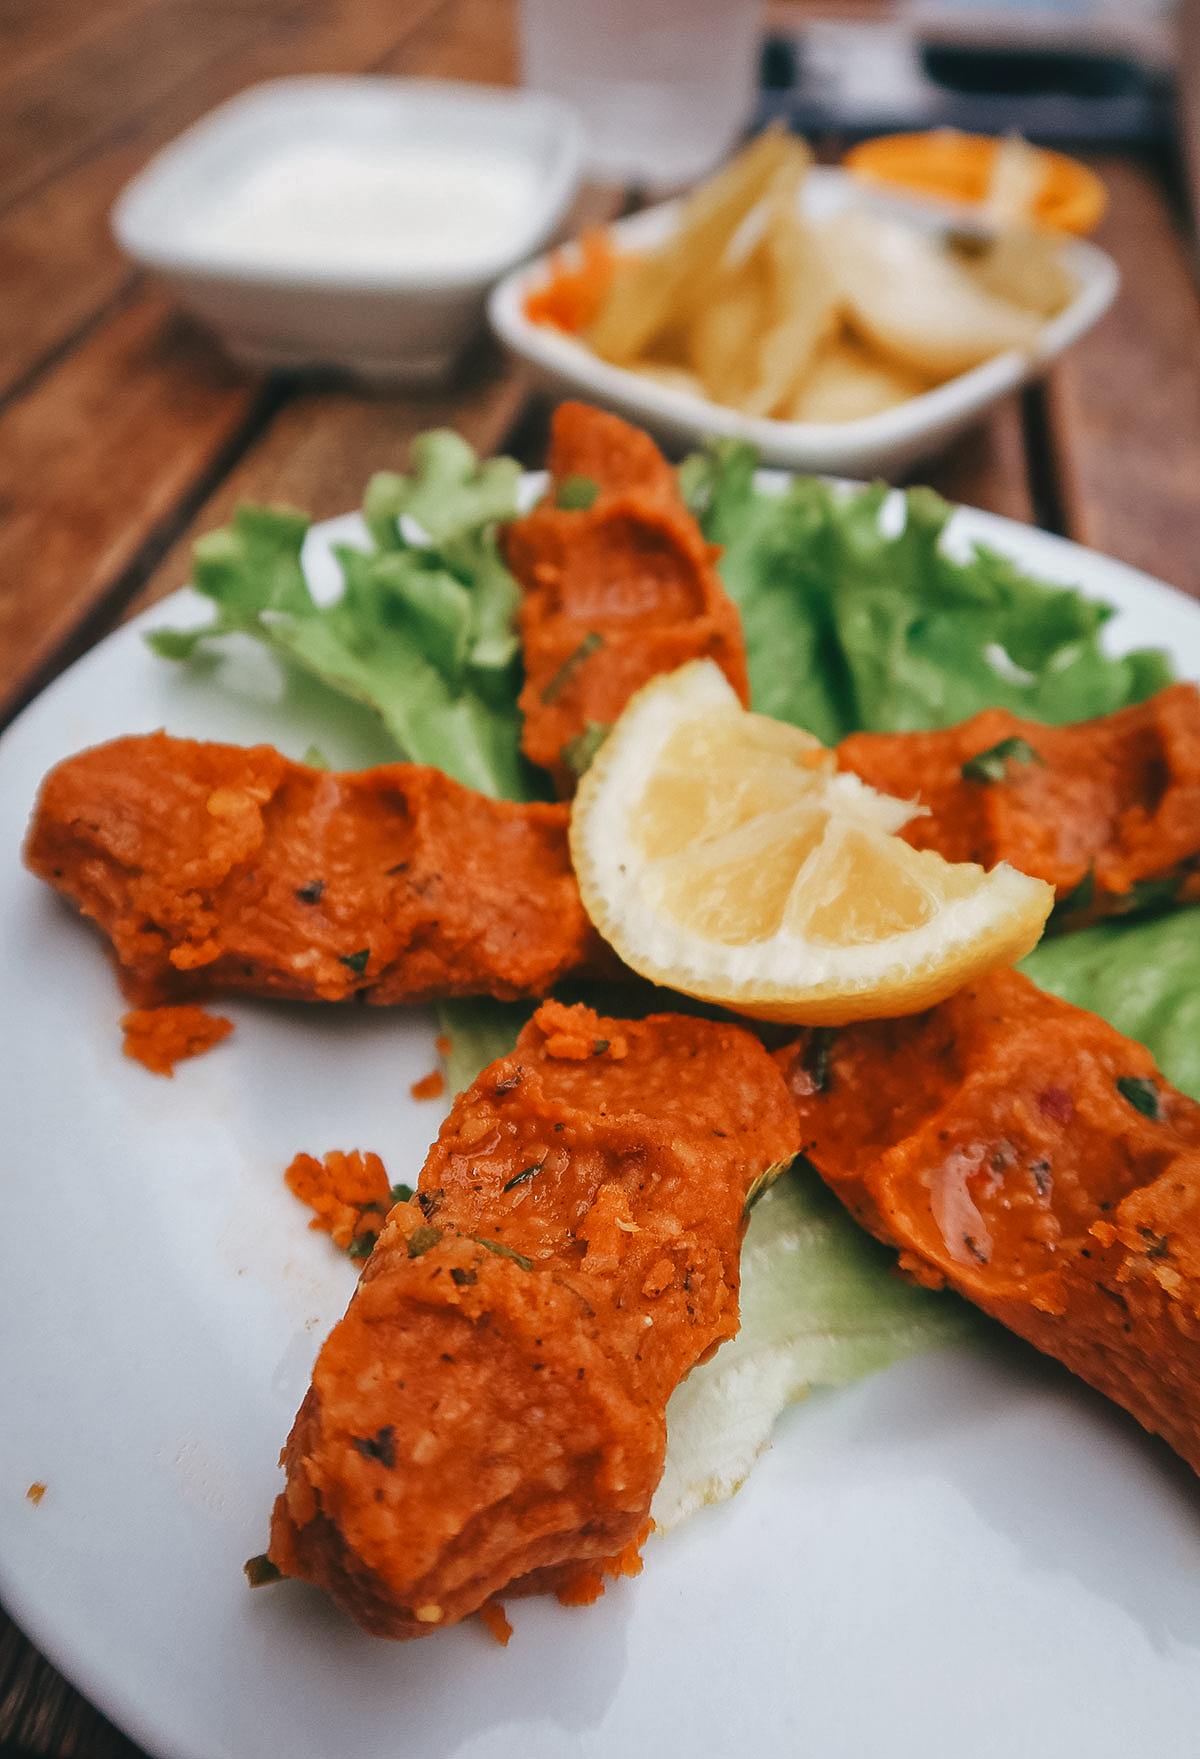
(172, 172)
(801, 445)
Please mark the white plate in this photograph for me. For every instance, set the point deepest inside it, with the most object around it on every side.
(876, 444)
(967, 1555)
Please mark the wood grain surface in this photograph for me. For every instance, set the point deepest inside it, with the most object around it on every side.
(1124, 403)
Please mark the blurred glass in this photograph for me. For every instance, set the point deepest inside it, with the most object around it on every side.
(664, 86)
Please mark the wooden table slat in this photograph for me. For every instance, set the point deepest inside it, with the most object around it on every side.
(987, 468)
(32, 36)
(79, 101)
(1124, 403)
(128, 425)
(465, 39)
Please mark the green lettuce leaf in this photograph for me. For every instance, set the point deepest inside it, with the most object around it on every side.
(853, 627)
(1142, 977)
(424, 632)
(480, 1030)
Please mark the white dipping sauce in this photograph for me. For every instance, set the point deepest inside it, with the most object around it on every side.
(361, 207)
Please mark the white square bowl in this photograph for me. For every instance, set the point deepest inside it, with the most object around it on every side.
(355, 309)
(883, 444)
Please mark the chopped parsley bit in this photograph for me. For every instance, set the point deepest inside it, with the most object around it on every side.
(525, 1173)
(1151, 894)
(816, 1062)
(1159, 1245)
(587, 647)
(362, 1245)
(599, 1046)
(381, 1446)
(988, 766)
(356, 961)
(400, 1194)
(762, 1184)
(1078, 900)
(1142, 1095)
(580, 749)
(312, 893)
(502, 1251)
(421, 1239)
(260, 1570)
(464, 1278)
(315, 758)
(575, 494)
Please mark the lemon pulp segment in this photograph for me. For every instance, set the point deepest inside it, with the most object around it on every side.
(723, 854)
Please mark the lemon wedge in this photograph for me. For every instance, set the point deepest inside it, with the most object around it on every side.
(723, 854)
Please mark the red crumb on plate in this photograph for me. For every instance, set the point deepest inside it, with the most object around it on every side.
(494, 1617)
(588, 1585)
(431, 1086)
(348, 1193)
(35, 1493)
(158, 1038)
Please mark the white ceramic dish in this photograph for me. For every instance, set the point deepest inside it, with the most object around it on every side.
(380, 319)
(969, 1556)
(879, 444)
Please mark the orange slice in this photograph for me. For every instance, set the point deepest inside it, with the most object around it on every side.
(959, 167)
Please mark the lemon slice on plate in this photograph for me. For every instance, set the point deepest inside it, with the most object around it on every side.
(722, 854)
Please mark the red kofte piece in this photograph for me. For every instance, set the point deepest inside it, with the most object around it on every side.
(1024, 1153)
(489, 1417)
(617, 590)
(217, 868)
(1107, 810)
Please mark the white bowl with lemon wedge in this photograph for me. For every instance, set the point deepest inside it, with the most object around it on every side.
(898, 268)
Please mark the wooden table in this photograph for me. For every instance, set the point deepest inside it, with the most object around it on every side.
(124, 433)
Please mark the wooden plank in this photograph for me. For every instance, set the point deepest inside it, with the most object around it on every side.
(987, 467)
(470, 39)
(92, 468)
(31, 32)
(74, 102)
(1187, 98)
(59, 265)
(1124, 403)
